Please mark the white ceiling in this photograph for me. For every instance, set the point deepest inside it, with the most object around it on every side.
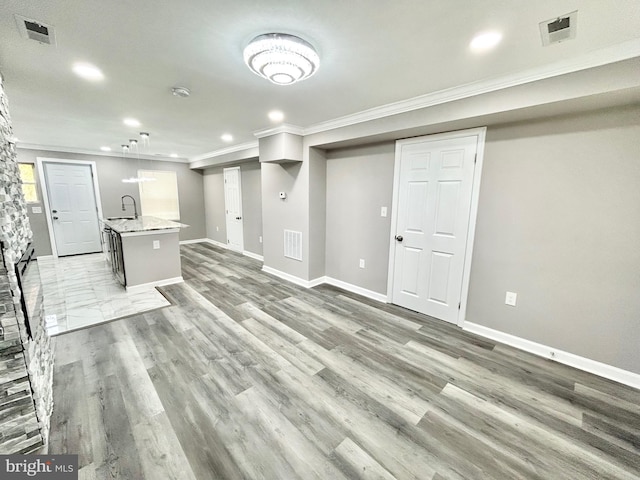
(373, 52)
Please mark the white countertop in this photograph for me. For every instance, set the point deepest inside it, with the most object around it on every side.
(142, 224)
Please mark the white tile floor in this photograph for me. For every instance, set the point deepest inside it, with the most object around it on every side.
(80, 291)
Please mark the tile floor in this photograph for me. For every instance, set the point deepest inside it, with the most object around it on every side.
(80, 291)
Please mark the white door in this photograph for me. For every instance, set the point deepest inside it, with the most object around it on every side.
(432, 220)
(73, 208)
(233, 208)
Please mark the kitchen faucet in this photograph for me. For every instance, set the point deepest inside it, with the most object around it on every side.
(135, 209)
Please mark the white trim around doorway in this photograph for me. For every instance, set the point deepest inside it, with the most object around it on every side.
(480, 132)
(40, 161)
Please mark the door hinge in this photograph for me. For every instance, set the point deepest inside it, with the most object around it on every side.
(475, 158)
(459, 305)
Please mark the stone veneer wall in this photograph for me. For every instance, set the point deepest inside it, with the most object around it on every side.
(26, 366)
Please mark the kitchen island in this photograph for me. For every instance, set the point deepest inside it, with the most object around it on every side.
(143, 251)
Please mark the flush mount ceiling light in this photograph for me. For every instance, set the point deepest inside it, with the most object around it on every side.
(281, 58)
(485, 41)
(105, 149)
(227, 137)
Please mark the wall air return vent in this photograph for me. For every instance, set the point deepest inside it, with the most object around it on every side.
(559, 29)
(35, 30)
(293, 244)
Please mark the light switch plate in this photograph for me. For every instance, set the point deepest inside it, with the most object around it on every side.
(156, 244)
(383, 211)
(511, 298)
(36, 209)
(362, 263)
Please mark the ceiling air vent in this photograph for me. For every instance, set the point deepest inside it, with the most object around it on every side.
(559, 29)
(34, 30)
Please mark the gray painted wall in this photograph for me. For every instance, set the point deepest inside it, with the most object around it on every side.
(317, 213)
(252, 206)
(214, 205)
(291, 214)
(111, 171)
(359, 183)
(559, 224)
(250, 175)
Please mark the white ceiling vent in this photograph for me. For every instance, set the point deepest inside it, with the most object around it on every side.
(34, 30)
(559, 29)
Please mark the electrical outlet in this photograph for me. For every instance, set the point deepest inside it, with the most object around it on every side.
(217, 229)
(362, 263)
(511, 298)
(260, 238)
(156, 244)
(36, 209)
(383, 211)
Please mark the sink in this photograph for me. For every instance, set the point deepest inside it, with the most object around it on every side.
(121, 218)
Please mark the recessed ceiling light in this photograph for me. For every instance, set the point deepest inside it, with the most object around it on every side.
(227, 137)
(131, 122)
(276, 116)
(105, 149)
(485, 41)
(88, 71)
(174, 155)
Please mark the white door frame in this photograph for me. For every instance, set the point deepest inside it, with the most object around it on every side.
(473, 214)
(226, 219)
(40, 161)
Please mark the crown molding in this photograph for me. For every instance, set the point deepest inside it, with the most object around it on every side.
(53, 148)
(224, 151)
(597, 58)
(284, 128)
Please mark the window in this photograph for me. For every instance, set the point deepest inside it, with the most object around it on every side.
(159, 194)
(28, 177)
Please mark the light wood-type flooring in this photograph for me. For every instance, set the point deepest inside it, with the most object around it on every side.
(246, 376)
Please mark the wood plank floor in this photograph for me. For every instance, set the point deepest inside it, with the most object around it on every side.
(248, 377)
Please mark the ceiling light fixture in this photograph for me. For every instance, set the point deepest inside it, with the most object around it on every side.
(105, 149)
(174, 155)
(131, 122)
(88, 71)
(133, 146)
(227, 137)
(281, 58)
(485, 41)
(276, 116)
(183, 92)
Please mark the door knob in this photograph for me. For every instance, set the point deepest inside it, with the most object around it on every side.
(399, 238)
(55, 218)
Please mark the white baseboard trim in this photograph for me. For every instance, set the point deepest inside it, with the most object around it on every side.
(329, 281)
(217, 243)
(160, 283)
(380, 297)
(288, 277)
(195, 240)
(582, 363)
(255, 256)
